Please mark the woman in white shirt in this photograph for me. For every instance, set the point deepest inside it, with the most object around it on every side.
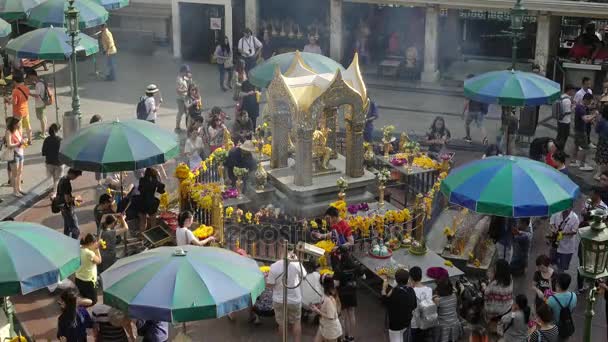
(184, 235)
(193, 146)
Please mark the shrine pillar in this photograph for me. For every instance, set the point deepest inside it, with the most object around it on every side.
(303, 169)
(354, 148)
(331, 123)
(280, 138)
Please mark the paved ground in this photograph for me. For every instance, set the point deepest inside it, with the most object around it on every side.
(401, 104)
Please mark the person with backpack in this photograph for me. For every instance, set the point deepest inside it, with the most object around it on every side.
(562, 303)
(147, 106)
(400, 303)
(425, 316)
(544, 330)
(42, 98)
(562, 112)
(19, 101)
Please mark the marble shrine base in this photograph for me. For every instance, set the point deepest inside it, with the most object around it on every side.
(313, 200)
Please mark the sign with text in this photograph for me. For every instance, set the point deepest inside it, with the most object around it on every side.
(215, 23)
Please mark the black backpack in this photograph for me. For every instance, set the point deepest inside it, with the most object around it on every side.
(565, 325)
(142, 112)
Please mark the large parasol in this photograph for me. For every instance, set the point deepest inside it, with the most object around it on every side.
(511, 187)
(182, 284)
(33, 257)
(52, 13)
(119, 146)
(512, 88)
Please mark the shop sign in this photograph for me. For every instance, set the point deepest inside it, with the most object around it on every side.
(492, 15)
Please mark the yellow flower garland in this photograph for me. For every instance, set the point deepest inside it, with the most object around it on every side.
(203, 231)
(327, 245)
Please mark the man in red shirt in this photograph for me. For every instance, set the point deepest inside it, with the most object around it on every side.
(340, 230)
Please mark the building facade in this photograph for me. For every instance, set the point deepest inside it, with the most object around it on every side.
(191, 27)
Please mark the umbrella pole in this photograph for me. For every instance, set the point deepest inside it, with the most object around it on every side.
(55, 91)
(184, 327)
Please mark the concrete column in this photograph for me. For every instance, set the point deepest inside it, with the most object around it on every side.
(543, 41)
(252, 14)
(177, 29)
(335, 30)
(430, 72)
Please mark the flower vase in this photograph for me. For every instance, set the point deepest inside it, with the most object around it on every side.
(220, 172)
(387, 150)
(239, 187)
(381, 188)
(368, 157)
(410, 162)
(261, 177)
(341, 195)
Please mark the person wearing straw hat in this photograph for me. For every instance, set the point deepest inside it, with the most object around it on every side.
(241, 156)
(149, 104)
(110, 324)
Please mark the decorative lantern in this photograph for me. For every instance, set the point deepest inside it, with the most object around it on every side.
(517, 17)
(594, 241)
(71, 15)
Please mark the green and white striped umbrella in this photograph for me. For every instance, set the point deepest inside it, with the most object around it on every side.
(16, 9)
(49, 43)
(119, 146)
(5, 29)
(52, 13)
(33, 256)
(182, 284)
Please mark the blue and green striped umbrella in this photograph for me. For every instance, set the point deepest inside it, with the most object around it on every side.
(33, 257)
(52, 13)
(182, 284)
(5, 29)
(49, 43)
(511, 187)
(16, 9)
(119, 146)
(113, 4)
(512, 88)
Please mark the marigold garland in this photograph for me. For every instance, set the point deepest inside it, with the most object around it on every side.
(203, 231)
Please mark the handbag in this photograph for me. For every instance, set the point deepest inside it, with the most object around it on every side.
(228, 63)
(8, 154)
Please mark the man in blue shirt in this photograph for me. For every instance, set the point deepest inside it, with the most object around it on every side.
(562, 296)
